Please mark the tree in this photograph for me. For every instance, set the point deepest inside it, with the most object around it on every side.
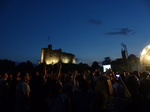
(106, 61)
(95, 66)
(25, 66)
(82, 67)
(7, 65)
(132, 56)
(133, 62)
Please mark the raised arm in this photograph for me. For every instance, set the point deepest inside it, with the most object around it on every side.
(127, 93)
(58, 73)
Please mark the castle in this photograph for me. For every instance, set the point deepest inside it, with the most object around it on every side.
(50, 56)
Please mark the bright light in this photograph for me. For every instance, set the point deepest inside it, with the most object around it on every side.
(74, 61)
(143, 52)
(65, 60)
(145, 55)
(52, 61)
(105, 67)
(42, 56)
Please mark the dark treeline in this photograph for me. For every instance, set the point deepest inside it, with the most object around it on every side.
(11, 67)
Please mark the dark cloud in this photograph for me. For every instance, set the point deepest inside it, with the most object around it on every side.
(122, 31)
(92, 21)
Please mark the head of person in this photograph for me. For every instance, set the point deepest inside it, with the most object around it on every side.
(86, 73)
(69, 78)
(104, 86)
(10, 76)
(136, 73)
(84, 85)
(17, 73)
(56, 88)
(144, 74)
(25, 76)
(97, 74)
(132, 82)
(5, 75)
(104, 89)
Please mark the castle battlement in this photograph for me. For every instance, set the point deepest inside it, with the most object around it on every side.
(67, 53)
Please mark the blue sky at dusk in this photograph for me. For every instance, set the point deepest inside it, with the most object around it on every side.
(89, 29)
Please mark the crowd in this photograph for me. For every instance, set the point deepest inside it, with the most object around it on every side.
(75, 92)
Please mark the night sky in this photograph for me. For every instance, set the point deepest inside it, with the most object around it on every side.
(89, 29)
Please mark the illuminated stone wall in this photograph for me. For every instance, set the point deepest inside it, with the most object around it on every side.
(50, 56)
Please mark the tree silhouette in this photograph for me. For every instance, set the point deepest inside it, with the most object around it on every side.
(133, 61)
(25, 67)
(95, 66)
(82, 67)
(7, 65)
(106, 61)
(132, 56)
